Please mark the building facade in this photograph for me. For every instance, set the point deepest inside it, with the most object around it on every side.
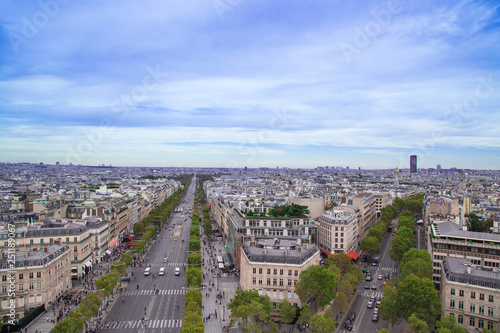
(337, 232)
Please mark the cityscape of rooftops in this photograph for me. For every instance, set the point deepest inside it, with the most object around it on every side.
(250, 166)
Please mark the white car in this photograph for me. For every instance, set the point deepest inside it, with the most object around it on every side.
(177, 271)
(147, 271)
(162, 271)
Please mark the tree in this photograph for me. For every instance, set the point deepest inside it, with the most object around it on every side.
(370, 244)
(408, 222)
(321, 323)
(317, 283)
(341, 260)
(127, 258)
(384, 330)
(305, 315)
(341, 302)
(418, 295)
(416, 325)
(249, 310)
(399, 203)
(287, 313)
(400, 245)
(250, 212)
(474, 223)
(449, 324)
(414, 205)
(389, 308)
(417, 267)
(413, 254)
(193, 277)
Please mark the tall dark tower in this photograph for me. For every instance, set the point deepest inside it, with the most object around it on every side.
(413, 163)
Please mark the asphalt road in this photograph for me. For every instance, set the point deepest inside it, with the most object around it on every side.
(158, 309)
(363, 322)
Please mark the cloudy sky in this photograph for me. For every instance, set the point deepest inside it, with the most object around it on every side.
(234, 83)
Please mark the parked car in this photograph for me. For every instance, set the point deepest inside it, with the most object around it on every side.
(368, 278)
(367, 286)
(177, 271)
(375, 317)
(370, 304)
(352, 316)
(348, 325)
(373, 287)
(387, 276)
(384, 283)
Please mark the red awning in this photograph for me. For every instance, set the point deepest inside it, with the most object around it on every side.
(353, 255)
(328, 254)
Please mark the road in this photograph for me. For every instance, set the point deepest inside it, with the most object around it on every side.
(159, 310)
(363, 322)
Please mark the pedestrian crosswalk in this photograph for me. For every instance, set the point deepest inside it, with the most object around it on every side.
(387, 269)
(146, 292)
(369, 293)
(138, 324)
(163, 264)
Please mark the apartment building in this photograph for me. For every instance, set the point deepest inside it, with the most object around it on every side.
(471, 293)
(367, 206)
(450, 240)
(382, 200)
(337, 232)
(39, 277)
(76, 235)
(273, 267)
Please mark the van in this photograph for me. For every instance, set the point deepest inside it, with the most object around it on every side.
(177, 271)
(162, 271)
(147, 271)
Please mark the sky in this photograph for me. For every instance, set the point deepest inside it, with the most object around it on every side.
(235, 83)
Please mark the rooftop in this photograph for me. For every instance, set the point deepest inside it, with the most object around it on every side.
(456, 270)
(33, 258)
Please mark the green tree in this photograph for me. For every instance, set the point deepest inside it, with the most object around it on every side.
(414, 205)
(127, 258)
(417, 267)
(418, 295)
(400, 245)
(341, 260)
(370, 244)
(399, 203)
(389, 307)
(287, 313)
(413, 254)
(449, 323)
(316, 283)
(341, 302)
(416, 325)
(305, 315)
(474, 223)
(193, 277)
(249, 310)
(250, 213)
(194, 258)
(378, 231)
(384, 330)
(321, 323)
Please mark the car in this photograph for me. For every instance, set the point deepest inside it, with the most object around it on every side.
(367, 286)
(352, 316)
(373, 287)
(375, 311)
(177, 271)
(348, 325)
(375, 317)
(380, 277)
(162, 271)
(368, 278)
(387, 276)
(378, 302)
(384, 283)
(372, 298)
(147, 271)
(165, 259)
(370, 305)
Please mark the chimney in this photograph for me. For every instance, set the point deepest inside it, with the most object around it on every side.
(46, 249)
(469, 268)
(57, 241)
(299, 249)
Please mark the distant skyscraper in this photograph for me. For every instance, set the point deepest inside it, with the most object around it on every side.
(438, 168)
(396, 177)
(413, 163)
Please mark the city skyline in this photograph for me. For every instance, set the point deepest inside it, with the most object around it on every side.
(256, 84)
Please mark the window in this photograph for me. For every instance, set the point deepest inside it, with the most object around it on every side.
(21, 287)
(75, 258)
(472, 321)
(38, 285)
(480, 323)
(452, 303)
(41, 241)
(490, 298)
(281, 283)
(453, 291)
(460, 305)
(75, 239)
(297, 274)
(75, 248)
(67, 240)
(481, 297)
(473, 295)
(275, 282)
(269, 271)
(460, 319)
(31, 242)
(490, 312)
(275, 271)
(4, 289)
(4, 278)
(461, 293)
(281, 272)
(481, 310)
(254, 280)
(289, 282)
(38, 274)
(490, 325)
(260, 281)
(260, 270)
(21, 276)
(473, 308)
(254, 270)
(31, 286)
(31, 275)
(289, 272)
(268, 282)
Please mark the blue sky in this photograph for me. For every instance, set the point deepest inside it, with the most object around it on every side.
(234, 83)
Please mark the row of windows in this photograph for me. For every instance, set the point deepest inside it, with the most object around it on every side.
(20, 301)
(21, 276)
(461, 293)
(275, 271)
(31, 286)
(472, 322)
(290, 282)
(275, 294)
(491, 311)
